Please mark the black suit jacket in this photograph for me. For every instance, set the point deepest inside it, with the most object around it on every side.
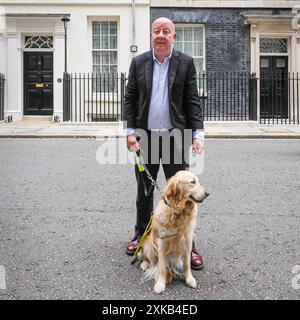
(184, 102)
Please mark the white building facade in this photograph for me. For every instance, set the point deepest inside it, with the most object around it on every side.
(102, 36)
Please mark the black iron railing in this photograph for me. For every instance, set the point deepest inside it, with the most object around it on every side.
(230, 96)
(93, 97)
(2, 83)
(279, 98)
(227, 96)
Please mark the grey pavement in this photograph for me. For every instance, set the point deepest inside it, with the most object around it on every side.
(65, 221)
(213, 129)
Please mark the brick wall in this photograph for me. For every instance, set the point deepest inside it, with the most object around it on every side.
(227, 48)
(227, 37)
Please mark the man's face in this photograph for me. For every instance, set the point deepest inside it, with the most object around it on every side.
(163, 35)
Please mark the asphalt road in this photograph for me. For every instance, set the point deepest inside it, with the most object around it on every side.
(65, 221)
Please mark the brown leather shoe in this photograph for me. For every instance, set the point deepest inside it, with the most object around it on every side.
(196, 260)
(132, 245)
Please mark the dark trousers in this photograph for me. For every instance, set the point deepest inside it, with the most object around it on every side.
(172, 159)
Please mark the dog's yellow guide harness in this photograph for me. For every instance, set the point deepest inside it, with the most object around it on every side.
(162, 233)
(165, 234)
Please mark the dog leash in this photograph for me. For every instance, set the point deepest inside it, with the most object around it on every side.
(143, 168)
(144, 237)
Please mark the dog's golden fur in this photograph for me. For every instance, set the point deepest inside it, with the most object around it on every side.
(167, 249)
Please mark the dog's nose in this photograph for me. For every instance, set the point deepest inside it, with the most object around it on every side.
(206, 194)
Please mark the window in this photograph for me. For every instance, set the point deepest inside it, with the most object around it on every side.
(273, 45)
(38, 42)
(190, 40)
(105, 54)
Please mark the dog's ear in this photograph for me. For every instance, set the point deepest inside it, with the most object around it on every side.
(174, 191)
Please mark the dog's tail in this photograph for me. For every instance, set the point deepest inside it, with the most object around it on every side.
(152, 273)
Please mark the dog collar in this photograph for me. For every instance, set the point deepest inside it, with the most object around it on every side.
(164, 233)
(166, 202)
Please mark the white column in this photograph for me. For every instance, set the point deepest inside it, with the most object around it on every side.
(297, 68)
(58, 70)
(3, 50)
(2, 40)
(253, 42)
(2, 53)
(254, 63)
(3, 65)
(14, 77)
(297, 52)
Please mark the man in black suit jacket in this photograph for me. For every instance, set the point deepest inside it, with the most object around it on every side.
(161, 95)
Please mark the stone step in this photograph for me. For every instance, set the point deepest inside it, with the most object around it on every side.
(38, 118)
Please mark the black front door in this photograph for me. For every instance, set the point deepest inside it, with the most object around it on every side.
(38, 83)
(273, 87)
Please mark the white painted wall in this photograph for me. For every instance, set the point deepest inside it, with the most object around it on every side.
(79, 29)
(226, 3)
(3, 46)
(82, 13)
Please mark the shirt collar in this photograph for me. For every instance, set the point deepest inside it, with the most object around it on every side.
(167, 58)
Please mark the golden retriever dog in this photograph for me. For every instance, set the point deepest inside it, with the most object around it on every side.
(167, 250)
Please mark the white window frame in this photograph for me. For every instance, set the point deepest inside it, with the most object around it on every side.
(196, 25)
(108, 95)
(199, 73)
(105, 19)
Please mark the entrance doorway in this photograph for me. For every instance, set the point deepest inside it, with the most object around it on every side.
(273, 87)
(38, 83)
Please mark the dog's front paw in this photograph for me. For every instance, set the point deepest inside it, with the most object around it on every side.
(191, 282)
(159, 287)
(144, 265)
